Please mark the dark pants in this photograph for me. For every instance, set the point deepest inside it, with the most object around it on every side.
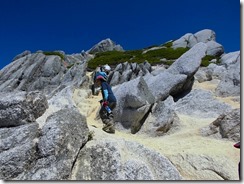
(104, 114)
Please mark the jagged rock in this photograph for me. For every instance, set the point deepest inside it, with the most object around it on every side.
(225, 126)
(161, 119)
(63, 135)
(230, 77)
(106, 159)
(188, 64)
(18, 108)
(164, 84)
(230, 127)
(105, 45)
(42, 72)
(114, 78)
(190, 61)
(200, 103)
(204, 167)
(201, 75)
(124, 72)
(216, 71)
(17, 149)
(26, 52)
(206, 36)
(16, 160)
(179, 77)
(76, 75)
(133, 101)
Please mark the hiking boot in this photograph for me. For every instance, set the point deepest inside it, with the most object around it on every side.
(109, 128)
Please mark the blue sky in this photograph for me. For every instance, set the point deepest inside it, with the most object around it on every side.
(76, 25)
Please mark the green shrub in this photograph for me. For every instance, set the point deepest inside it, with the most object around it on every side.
(136, 56)
(168, 44)
(206, 60)
(48, 53)
(112, 58)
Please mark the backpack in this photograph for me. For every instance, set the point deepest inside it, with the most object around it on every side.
(100, 73)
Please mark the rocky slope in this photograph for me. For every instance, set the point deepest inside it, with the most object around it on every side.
(172, 123)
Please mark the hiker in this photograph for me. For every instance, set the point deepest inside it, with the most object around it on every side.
(238, 145)
(101, 70)
(108, 103)
(105, 68)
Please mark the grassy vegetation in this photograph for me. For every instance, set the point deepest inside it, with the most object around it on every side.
(206, 60)
(136, 56)
(48, 53)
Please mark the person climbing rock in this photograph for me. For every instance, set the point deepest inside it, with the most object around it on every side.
(108, 103)
(101, 70)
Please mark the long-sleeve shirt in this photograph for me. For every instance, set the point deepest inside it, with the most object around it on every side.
(107, 92)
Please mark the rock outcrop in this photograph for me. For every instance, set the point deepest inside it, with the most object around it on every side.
(166, 125)
(205, 36)
(122, 160)
(19, 108)
(225, 126)
(39, 71)
(128, 71)
(105, 45)
(134, 100)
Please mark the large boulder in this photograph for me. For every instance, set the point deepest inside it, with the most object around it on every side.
(117, 159)
(205, 167)
(179, 77)
(162, 119)
(134, 101)
(230, 84)
(18, 108)
(61, 138)
(17, 149)
(190, 61)
(214, 48)
(225, 126)
(206, 36)
(201, 103)
(165, 84)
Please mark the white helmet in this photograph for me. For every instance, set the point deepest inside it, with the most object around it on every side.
(107, 67)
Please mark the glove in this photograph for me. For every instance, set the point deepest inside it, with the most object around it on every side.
(105, 103)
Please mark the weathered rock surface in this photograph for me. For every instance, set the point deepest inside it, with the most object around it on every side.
(162, 119)
(200, 103)
(42, 72)
(61, 138)
(17, 149)
(206, 36)
(178, 78)
(230, 83)
(128, 71)
(117, 159)
(105, 45)
(18, 108)
(225, 126)
(134, 100)
(45, 134)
